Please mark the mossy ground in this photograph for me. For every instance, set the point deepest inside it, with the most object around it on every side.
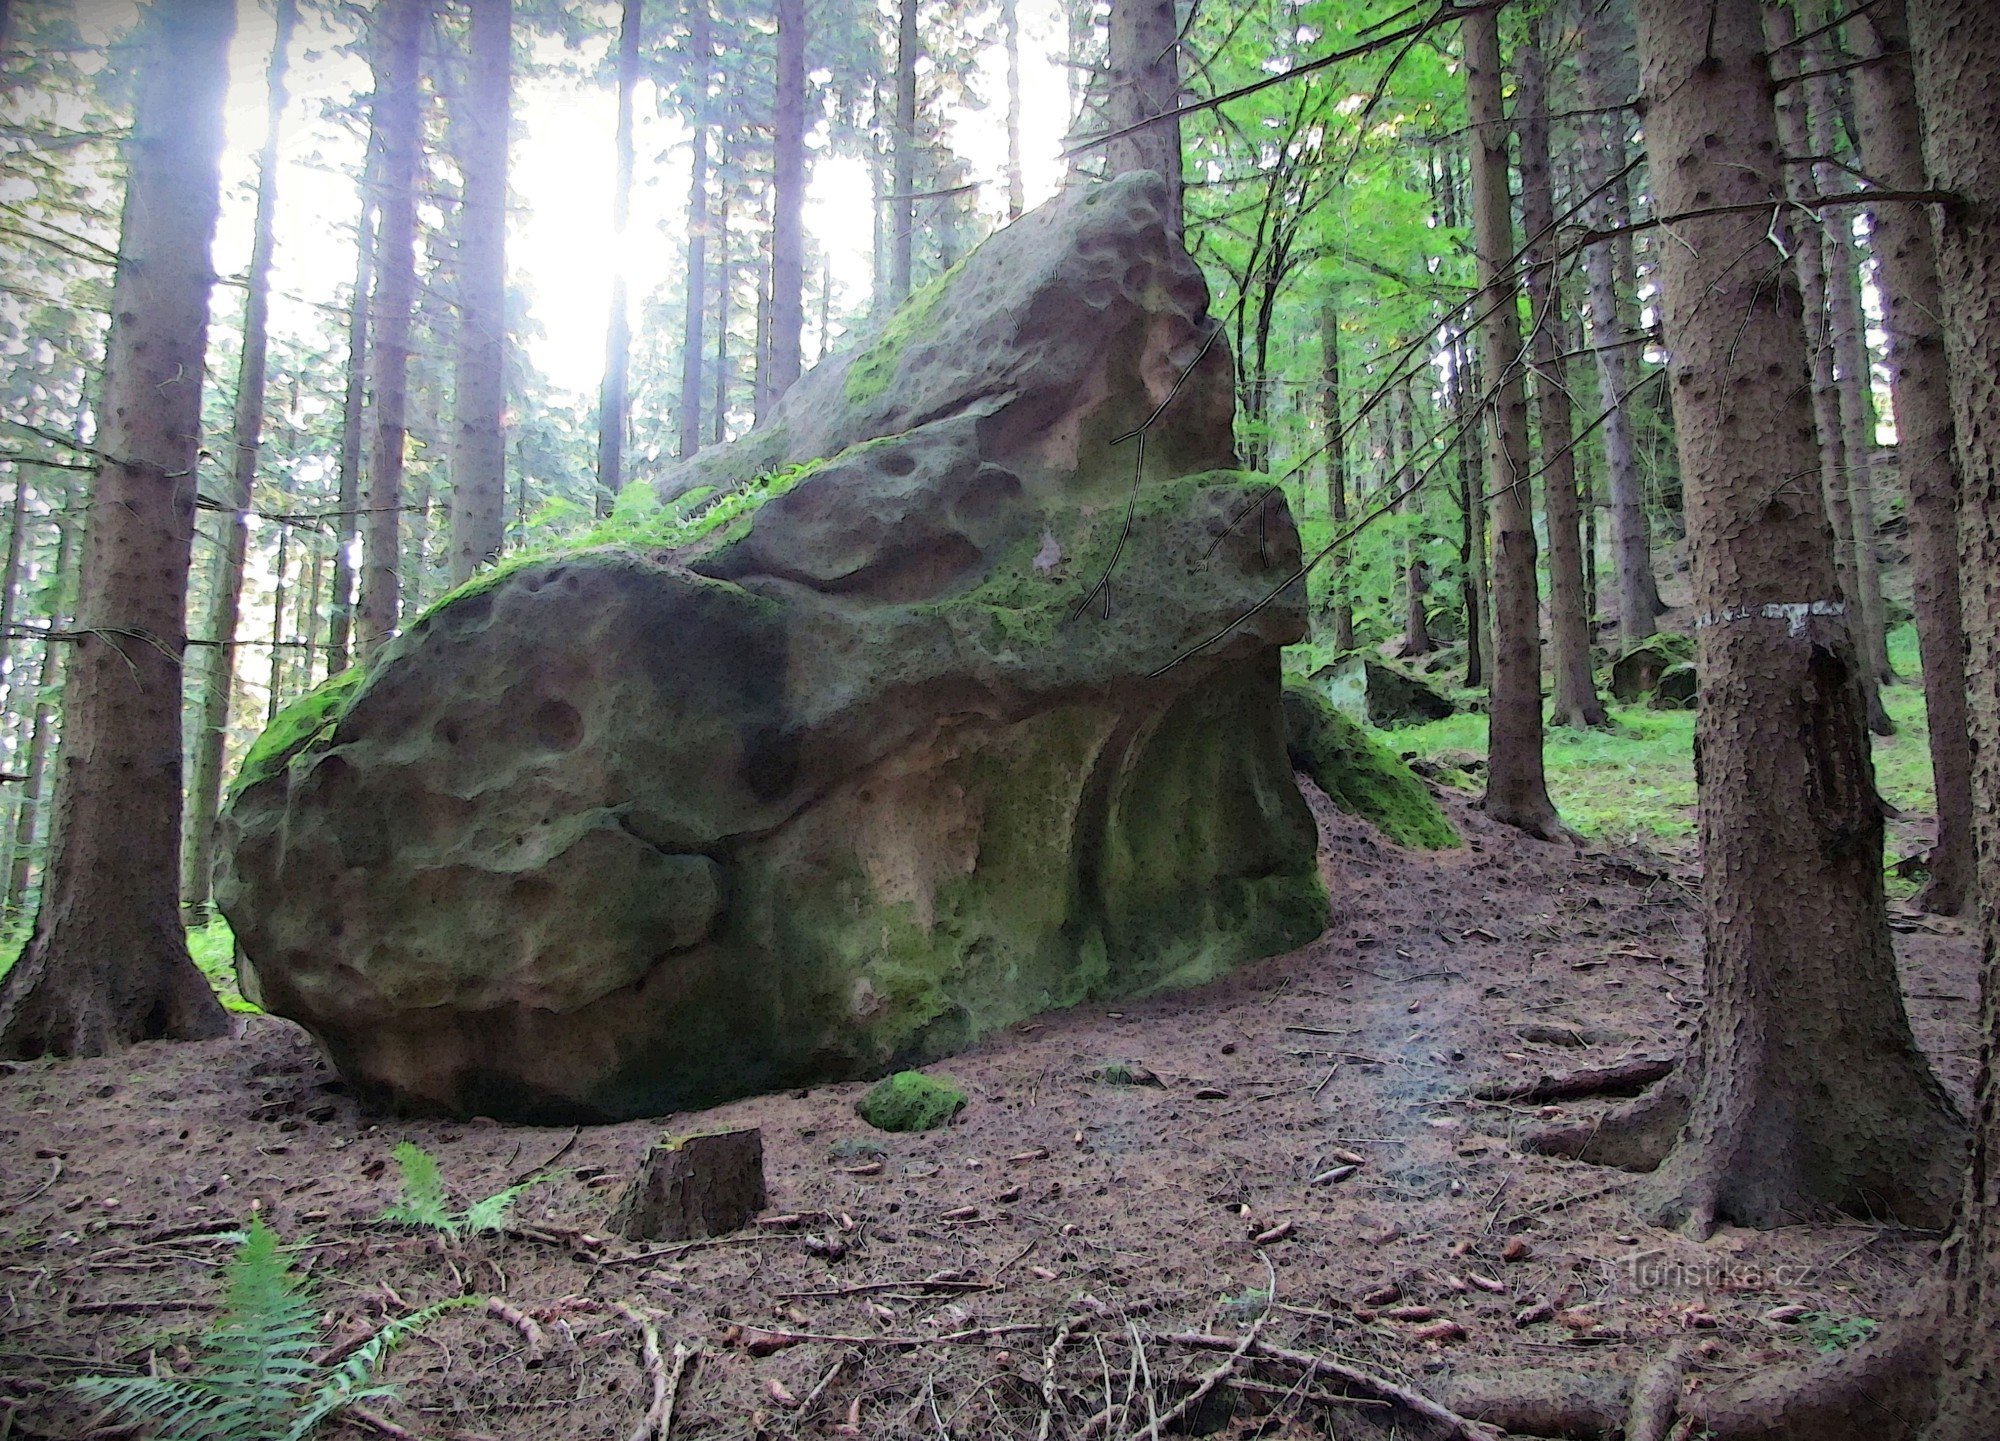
(1360, 774)
(297, 726)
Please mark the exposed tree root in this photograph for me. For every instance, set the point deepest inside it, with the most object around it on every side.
(1626, 1078)
(1877, 1392)
(1636, 1137)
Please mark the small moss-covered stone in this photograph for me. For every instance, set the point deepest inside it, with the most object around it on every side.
(1639, 669)
(1675, 690)
(1368, 689)
(1359, 775)
(910, 1101)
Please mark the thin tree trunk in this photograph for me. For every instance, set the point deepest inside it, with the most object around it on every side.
(788, 247)
(1470, 426)
(611, 393)
(1853, 372)
(1403, 452)
(1336, 467)
(204, 796)
(1146, 82)
(308, 614)
(347, 519)
(902, 208)
(479, 395)
(108, 963)
(1609, 271)
(692, 345)
(1809, 1093)
(1010, 34)
(1575, 702)
(395, 122)
(41, 734)
(1957, 49)
(274, 689)
(725, 282)
(1517, 792)
(1926, 447)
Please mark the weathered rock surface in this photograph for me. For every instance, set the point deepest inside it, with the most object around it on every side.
(921, 709)
(1369, 690)
(1639, 669)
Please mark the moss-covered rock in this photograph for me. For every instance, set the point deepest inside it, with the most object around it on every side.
(1637, 671)
(910, 1101)
(826, 755)
(1372, 691)
(1360, 775)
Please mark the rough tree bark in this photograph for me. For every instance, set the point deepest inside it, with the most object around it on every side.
(697, 228)
(788, 249)
(108, 963)
(479, 454)
(1336, 464)
(903, 182)
(1517, 791)
(1892, 151)
(1809, 1094)
(1400, 428)
(42, 729)
(204, 796)
(1575, 701)
(1957, 48)
(398, 28)
(1474, 590)
(1609, 271)
(1145, 81)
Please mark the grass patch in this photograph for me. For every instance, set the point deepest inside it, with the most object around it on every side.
(1635, 780)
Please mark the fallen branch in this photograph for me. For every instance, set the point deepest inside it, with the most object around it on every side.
(532, 1339)
(1450, 1425)
(1656, 1395)
(1626, 1078)
(975, 1333)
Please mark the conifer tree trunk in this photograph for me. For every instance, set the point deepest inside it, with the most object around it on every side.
(394, 117)
(725, 283)
(902, 205)
(1810, 1096)
(1610, 273)
(42, 730)
(1575, 702)
(1474, 591)
(353, 408)
(1957, 50)
(1010, 34)
(1809, 253)
(479, 456)
(108, 963)
(1850, 357)
(697, 229)
(1892, 151)
(1336, 466)
(274, 682)
(788, 180)
(611, 393)
(1517, 792)
(1145, 82)
(1401, 430)
(204, 795)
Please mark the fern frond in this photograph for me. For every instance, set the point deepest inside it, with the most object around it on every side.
(351, 1379)
(260, 1352)
(484, 1217)
(423, 1201)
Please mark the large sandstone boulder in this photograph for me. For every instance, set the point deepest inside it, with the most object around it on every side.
(921, 709)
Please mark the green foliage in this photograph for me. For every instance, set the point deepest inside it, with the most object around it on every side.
(1829, 1331)
(254, 1378)
(299, 725)
(910, 1101)
(425, 1203)
(1247, 1305)
(875, 367)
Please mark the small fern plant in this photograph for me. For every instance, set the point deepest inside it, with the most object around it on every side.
(254, 1378)
(425, 1204)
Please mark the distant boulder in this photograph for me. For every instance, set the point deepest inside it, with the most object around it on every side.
(1638, 670)
(1372, 691)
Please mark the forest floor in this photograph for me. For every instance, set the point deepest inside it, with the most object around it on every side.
(1054, 1253)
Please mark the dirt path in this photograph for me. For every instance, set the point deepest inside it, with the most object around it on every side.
(1107, 1218)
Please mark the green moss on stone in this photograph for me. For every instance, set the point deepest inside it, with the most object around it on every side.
(308, 719)
(875, 367)
(910, 1101)
(1359, 775)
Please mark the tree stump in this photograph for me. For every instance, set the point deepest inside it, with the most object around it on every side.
(694, 1186)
